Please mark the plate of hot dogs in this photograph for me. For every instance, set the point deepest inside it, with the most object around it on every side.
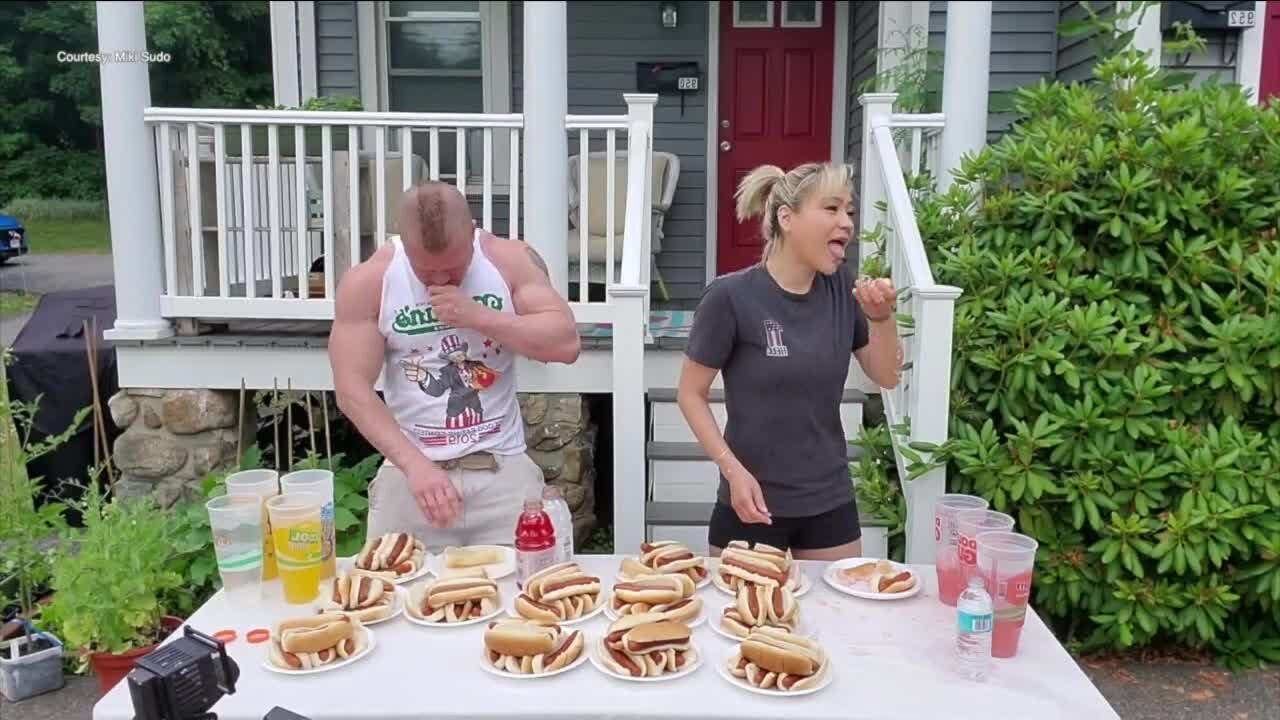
(762, 607)
(772, 662)
(743, 563)
(317, 643)
(562, 594)
(454, 601)
(645, 648)
(522, 649)
(666, 557)
(396, 556)
(369, 599)
(872, 579)
(670, 597)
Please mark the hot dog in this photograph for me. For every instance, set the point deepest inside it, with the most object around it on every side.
(391, 556)
(764, 605)
(517, 646)
(666, 557)
(772, 659)
(309, 642)
(453, 599)
(561, 593)
(672, 595)
(646, 645)
(361, 596)
(744, 564)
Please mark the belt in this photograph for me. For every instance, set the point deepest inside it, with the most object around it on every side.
(482, 460)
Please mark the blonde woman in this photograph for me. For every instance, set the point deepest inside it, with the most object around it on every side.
(781, 333)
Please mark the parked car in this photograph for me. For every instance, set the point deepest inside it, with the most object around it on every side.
(13, 238)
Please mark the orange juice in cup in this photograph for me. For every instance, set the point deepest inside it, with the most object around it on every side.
(298, 538)
(264, 484)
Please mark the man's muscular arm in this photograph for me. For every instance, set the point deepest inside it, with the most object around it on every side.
(356, 352)
(542, 327)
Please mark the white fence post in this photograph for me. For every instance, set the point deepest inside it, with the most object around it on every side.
(629, 318)
(929, 409)
(133, 185)
(546, 144)
(640, 112)
(877, 109)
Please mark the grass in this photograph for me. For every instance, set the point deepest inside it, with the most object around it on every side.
(62, 226)
(17, 303)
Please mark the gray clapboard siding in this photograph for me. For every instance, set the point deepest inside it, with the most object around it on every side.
(1217, 60)
(863, 32)
(337, 62)
(606, 40)
(1024, 43)
(1076, 55)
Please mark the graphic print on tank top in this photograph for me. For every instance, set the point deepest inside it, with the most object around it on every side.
(452, 390)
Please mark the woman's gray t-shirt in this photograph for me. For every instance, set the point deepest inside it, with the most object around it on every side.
(784, 357)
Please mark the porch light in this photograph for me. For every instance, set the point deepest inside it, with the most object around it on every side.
(669, 15)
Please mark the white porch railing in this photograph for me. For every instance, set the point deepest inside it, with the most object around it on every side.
(269, 238)
(922, 397)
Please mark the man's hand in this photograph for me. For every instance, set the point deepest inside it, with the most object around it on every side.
(436, 497)
(877, 298)
(453, 307)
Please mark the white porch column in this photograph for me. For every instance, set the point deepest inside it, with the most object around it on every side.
(1147, 35)
(546, 144)
(133, 185)
(284, 52)
(966, 81)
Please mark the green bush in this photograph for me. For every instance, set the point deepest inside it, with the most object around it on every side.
(27, 209)
(1116, 369)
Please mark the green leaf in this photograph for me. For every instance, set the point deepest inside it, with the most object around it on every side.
(344, 519)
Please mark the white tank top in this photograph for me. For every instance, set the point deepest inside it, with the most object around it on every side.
(452, 390)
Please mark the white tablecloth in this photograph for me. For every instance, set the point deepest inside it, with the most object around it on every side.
(890, 660)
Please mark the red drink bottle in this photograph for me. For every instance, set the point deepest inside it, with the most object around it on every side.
(535, 541)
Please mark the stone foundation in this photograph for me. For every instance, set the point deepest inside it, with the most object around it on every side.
(172, 439)
(562, 440)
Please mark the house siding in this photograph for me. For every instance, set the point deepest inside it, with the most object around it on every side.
(1024, 45)
(337, 62)
(605, 41)
(1076, 54)
(1217, 60)
(863, 33)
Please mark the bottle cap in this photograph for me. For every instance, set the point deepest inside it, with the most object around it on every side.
(532, 504)
(977, 581)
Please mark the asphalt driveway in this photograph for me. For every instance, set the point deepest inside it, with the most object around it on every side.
(45, 274)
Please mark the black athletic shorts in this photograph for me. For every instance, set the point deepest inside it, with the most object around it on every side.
(829, 529)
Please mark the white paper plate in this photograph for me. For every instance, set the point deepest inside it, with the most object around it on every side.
(702, 616)
(598, 648)
(831, 575)
(805, 583)
(723, 668)
(371, 642)
(489, 668)
(348, 564)
(511, 610)
(473, 621)
(397, 607)
(803, 628)
(497, 570)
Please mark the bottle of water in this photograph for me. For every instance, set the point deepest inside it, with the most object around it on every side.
(973, 631)
(562, 519)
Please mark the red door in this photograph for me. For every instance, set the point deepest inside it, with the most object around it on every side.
(776, 70)
(1269, 87)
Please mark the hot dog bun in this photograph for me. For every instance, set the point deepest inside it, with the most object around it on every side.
(520, 639)
(468, 557)
(665, 557)
(892, 581)
(782, 652)
(562, 592)
(656, 637)
(391, 555)
(308, 642)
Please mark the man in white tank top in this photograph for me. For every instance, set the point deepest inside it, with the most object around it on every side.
(441, 313)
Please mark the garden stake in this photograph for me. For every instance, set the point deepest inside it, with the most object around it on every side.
(328, 448)
(99, 424)
(240, 430)
(311, 421)
(275, 420)
(288, 420)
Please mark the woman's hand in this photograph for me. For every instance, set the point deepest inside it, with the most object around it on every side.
(746, 497)
(877, 298)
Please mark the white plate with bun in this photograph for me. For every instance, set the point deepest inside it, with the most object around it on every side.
(454, 596)
(528, 645)
(803, 584)
(376, 558)
(366, 616)
(666, 557)
(824, 679)
(597, 653)
(367, 643)
(497, 561)
(860, 577)
(803, 627)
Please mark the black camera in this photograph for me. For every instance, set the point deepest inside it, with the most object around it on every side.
(183, 679)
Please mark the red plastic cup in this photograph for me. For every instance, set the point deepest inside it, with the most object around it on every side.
(946, 539)
(970, 524)
(1007, 561)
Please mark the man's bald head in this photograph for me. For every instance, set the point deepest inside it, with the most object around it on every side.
(434, 215)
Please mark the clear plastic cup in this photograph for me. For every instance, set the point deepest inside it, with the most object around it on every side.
(1007, 562)
(296, 531)
(319, 482)
(236, 524)
(946, 540)
(262, 484)
(969, 524)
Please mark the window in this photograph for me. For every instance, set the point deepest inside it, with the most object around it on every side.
(801, 13)
(753, 13)
(448, 57)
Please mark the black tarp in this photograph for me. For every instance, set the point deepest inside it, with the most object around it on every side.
(51, 362)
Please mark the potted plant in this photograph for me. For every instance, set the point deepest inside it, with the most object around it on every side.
(30, 662)
(109, 582)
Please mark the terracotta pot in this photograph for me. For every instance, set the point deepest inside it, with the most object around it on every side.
(111, 668)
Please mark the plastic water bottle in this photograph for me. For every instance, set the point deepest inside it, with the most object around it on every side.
(562, 518)
(973, 631)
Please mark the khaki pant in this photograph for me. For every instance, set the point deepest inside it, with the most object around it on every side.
(493, 489)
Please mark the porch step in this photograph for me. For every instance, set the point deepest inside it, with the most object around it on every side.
(692, 514)
(659, 450)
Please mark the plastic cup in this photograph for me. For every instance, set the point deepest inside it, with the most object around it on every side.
(946, 540)
(970, 524)
(1007, 561)
(296, 530)
(236, 523)
(263, 484)
(319, 482)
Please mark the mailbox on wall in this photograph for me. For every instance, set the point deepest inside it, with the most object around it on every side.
(1202, 15)
(660, 77)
